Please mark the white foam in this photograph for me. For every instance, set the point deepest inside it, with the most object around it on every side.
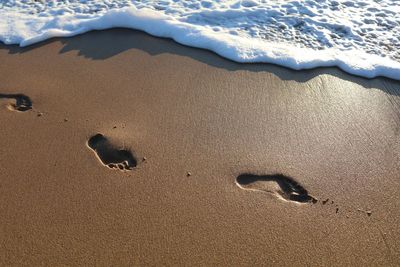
(360, 37)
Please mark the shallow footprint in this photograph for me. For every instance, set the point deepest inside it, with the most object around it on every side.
(111, 156)
(278, 184)
(22, 102)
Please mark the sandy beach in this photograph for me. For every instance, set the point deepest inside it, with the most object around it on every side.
(193, 122)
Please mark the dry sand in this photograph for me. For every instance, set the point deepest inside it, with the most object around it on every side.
(189, 111)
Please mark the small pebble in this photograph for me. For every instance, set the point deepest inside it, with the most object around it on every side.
(144, 158)
(65, 120)
(369, 213)
(188, 174)
(39, 114)
(115, 127)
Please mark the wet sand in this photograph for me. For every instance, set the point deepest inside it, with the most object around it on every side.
(193, 122)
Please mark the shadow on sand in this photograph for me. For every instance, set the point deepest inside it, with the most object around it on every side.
(119, 40)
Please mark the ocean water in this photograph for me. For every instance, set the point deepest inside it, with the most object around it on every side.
(360, 37)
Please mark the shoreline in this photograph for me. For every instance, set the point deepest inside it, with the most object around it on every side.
(199, 31)
(189, 111)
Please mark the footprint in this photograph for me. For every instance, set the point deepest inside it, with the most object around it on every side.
(278, 184)
(22, 102)
(111, 156)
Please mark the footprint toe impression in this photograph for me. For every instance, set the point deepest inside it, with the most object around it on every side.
(111, 156)
(278, 184)
(22, 102)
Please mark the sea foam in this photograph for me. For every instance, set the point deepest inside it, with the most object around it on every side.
(360, 37)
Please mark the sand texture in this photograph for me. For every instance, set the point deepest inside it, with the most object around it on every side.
(118, 148)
